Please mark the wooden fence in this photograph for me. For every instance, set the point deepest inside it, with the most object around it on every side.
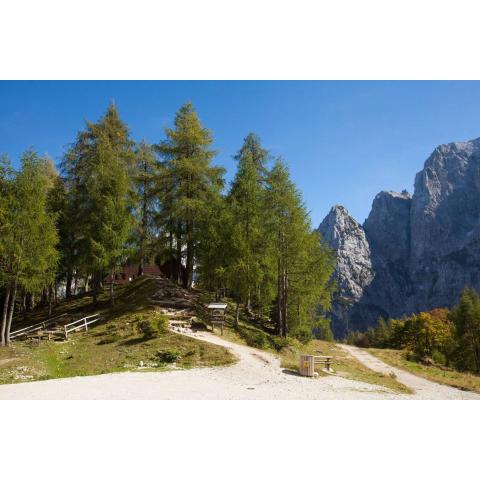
(80, 324)
(37, 327)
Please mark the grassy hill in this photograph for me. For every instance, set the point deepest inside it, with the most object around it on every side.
(114, 346)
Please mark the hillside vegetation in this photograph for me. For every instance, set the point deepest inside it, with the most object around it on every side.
(114, 346)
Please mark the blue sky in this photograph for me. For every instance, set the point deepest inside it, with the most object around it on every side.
(343, 141)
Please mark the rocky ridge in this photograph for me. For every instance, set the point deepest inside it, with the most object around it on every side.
(412, 253)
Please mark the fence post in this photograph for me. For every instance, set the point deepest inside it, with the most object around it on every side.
(85, 322)
(66, 333)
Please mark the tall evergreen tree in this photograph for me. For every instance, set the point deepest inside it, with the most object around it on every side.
(466, 319)
(146, 203)
(246, 200)
(189, 184)
(303, 264)
(99, 169)
(29, 256)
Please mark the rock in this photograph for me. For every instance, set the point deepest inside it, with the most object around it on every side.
(413, 253)
(353, 271)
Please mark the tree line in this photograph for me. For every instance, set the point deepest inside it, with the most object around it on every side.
(442, 336)
(115, 201)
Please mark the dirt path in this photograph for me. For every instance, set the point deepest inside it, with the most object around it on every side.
(424, 389)
(256, 375)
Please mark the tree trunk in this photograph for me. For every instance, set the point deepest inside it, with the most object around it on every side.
(10, 313)
(188, 283)
(50, 301)
(68, 285)
(279, 300)
(4, 317)
(237, 315)
(112, 299)
(179, 259)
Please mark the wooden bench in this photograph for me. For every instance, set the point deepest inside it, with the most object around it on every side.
(325, 360)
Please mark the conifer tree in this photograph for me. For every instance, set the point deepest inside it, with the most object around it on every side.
(99, 169)
(303, 265)
(189, 184)
(246, 201)
(29, 256)
(145, 202)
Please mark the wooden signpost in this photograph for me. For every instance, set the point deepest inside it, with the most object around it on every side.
(217, 315)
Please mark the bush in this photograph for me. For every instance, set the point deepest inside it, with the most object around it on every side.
(162, 323)
(439, 357)
(257, 339)
(152, 324)
(303, 333)
(110, 339)
(168, 356)
(279, 343)
(147, 328)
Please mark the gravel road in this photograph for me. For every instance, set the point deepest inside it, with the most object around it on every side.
(256, 375)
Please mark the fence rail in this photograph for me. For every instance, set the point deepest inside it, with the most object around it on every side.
(34, 328)
(80, 324)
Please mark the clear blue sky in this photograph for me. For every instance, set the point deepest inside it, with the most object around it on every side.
(343, 141)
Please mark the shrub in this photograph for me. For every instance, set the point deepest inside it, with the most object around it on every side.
(162, 323)
(278, 343)
(110, 339)
(168, 356)
(303, 333)
(147, 328)
(439, 357)
(257, 339)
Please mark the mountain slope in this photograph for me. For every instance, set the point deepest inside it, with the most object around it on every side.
(423, 249)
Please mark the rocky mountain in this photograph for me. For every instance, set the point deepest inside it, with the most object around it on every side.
(413, 253)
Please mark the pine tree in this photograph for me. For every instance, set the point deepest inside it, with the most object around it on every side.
(99, 169)
(303, 264)
(188, 185)
(28, 244)
(246, 199)
(146, 203)
(466, 319)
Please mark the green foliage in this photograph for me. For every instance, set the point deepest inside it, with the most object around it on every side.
(466, 320)
(28, 257)
(279, 343)
(450, 338)
(98, 170)
(188, 186)
(167, 356)
(147, 328)
(152, 324)
(256, 339)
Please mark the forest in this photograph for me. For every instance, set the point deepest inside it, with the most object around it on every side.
(114, 201)
(442, 336)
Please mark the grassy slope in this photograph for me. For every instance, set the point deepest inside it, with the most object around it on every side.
(397, 358)
(114, 346)
(344, 365)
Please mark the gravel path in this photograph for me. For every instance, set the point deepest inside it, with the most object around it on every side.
(256, 375)
(424, 389)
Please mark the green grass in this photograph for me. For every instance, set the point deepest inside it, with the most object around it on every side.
(445, 376)
(114, 346)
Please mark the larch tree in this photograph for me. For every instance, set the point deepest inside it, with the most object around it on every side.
(302, 263)
(248, 214)
(99, 169)
(146, 204)
(29, 243)
(189, 184)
